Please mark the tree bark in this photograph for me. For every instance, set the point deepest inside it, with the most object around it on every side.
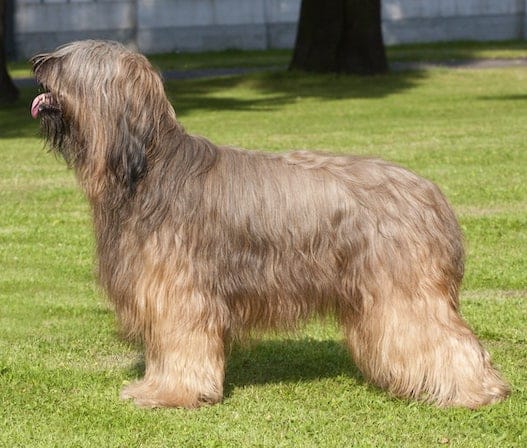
(340, 36)
(8, 91)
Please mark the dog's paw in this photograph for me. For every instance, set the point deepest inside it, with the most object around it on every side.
(146, 394)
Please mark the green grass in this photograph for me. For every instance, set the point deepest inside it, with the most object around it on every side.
(443, 51)
(221, 59)
(62, 365)
(195, 61)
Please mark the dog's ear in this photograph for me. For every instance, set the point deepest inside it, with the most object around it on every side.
(127, 159)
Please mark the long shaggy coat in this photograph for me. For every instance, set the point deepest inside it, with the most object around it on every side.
(197, 244)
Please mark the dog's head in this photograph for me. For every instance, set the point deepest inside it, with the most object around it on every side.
(102, 106)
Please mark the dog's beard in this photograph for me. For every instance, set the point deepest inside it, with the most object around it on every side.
(53, 129)
(53, 126)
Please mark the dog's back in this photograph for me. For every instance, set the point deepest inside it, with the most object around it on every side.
(305, 232)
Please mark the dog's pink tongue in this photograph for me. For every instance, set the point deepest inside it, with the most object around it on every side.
(36, 104)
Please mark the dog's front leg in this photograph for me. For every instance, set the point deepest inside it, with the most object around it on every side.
(184, 353)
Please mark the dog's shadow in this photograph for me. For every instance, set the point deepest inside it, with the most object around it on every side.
(287, 361)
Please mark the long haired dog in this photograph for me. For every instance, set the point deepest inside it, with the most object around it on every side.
(197, 244)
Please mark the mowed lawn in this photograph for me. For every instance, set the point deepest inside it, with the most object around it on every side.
(62, 363)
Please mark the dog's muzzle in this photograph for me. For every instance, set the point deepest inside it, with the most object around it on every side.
(41, 103)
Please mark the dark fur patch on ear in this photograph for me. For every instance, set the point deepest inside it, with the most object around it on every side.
(127, 161)
(135, 167)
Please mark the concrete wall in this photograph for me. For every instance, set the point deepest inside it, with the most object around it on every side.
(44, 24)
(439, 20)
(197, 25)
(194, 25)
(156, 25)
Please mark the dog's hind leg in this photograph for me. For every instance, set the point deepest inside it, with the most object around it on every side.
(418, 346)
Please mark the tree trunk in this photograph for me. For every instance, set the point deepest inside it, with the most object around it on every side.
(8, 91)
(340, 36)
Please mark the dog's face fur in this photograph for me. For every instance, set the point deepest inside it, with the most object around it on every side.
(73, 89)
(100, 96)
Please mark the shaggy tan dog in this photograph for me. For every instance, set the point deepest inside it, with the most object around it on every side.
(198, 244)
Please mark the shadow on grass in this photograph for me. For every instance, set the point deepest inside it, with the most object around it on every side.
(288, 361)
(15, 119)
(518, 97)
(275, 89)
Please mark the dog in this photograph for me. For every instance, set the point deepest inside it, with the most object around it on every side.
(198, 245)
